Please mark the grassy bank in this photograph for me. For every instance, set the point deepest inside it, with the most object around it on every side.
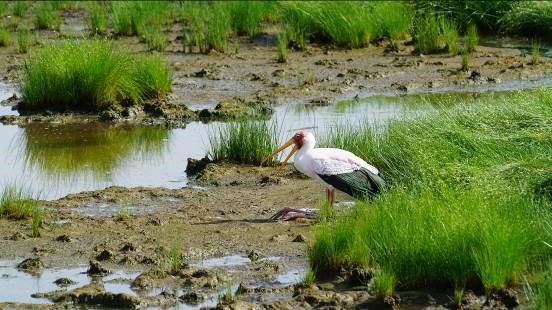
(90, 76)
(469, 199)
(16, 203)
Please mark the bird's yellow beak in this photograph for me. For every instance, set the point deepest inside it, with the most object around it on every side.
(281, 148)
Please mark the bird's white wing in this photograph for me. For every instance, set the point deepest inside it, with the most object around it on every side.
(328, 161)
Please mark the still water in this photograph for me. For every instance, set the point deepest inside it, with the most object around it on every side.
(53, 160)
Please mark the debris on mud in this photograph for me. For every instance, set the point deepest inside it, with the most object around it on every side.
(96, 269)
(31, 265)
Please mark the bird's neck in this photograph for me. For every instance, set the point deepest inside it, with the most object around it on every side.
(303, 150)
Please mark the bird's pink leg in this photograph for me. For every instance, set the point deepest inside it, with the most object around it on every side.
(332, 193)
(328, 195)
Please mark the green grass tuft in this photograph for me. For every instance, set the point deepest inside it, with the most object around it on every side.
(309, 279)
(36, 222)
(245, 141)
(156, 39)
(46, 17)
(535, 52)
(16, 203)
(471, 39)
(543, 299)
(4, 37)
(97, 19)
(20, 8)
(282, 48)
(90, 75)
(384, 284)
(465, 60)
(176, 257)
(23, 39)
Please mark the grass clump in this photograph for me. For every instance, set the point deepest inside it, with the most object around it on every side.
(20, 8)
(465, 60)
(97, 20)
(535, 53)
(36, 222)
(90, 76)
(435, 34)
(4, 37)
(23, 39)
(471, 39)
(384, 284)
(176, 257)
(247, 16)
(282, 48)
(210, 26)
(461, 209)
(309, 279)
(156, 39)
(527, 18)
(46, 17)
(245, 141)
(16, 203)
(543, 298)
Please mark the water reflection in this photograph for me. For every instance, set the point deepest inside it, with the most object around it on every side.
(74, 150)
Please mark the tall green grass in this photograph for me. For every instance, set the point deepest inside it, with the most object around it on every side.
(97, 19)
(471, 39)
(347, 23)
(461, 209)
(4, 37)
(247, 16)
(46, 17)
(529, 18)
(245, 141)
(23, 39)
(209, 25)
(90, 75)
(282, 48)
(20, 8)
(16, 202)
(434, 34)
(543, 299)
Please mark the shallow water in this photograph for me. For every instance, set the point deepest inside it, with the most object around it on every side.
(53, 160)
(18, 286)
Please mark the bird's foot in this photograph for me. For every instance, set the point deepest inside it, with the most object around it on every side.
(288, 214)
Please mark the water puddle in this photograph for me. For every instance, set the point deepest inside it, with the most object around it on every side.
(18, 286)
(289, 277)
(525, 45)
(231, 260)
(108, 210)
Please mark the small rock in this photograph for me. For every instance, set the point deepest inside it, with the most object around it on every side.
(32, 265)
(128, 247)
(360, 276)
(299, 238)
(195, 166)
(254, 255)
(127, 261)
(279, 238)
(105, 255)
(192, 298)
(63, 282)
(63, 238)
(18, 236)
(97, 269)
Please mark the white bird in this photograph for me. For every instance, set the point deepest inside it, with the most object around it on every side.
(334, 168)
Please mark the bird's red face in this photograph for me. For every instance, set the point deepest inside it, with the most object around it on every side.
(297, 142)
(298, 138)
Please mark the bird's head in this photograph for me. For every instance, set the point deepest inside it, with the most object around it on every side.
(301, 139)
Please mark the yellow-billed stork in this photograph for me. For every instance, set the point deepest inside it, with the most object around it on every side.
(334, 168)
